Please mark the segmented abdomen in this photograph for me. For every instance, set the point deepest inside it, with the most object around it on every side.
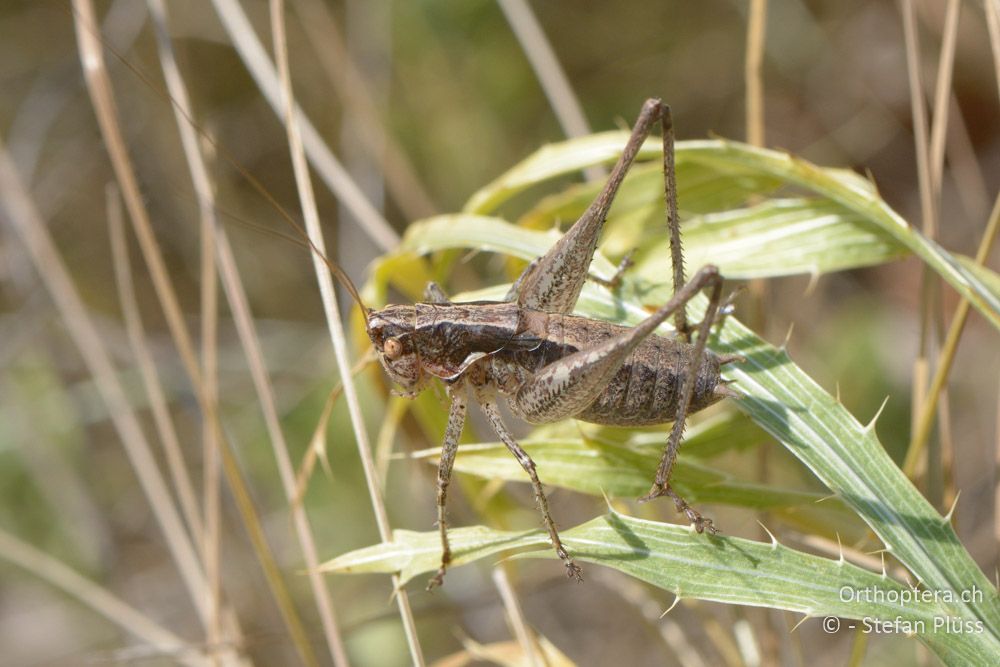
(645, 390)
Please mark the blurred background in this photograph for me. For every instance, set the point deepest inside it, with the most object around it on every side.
(446, 93)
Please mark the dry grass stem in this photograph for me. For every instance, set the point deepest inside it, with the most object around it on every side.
(942, 96)
(161, 641)
(921, 363)
(33, 234)
(322, 158)
(401, 178)
(919, 111)
(754, 75)
(328, 294)
(535, 45)
(210, 535)
(927, 409)
(147, 368)
(99, 85)
(258, 371)
(515, 616)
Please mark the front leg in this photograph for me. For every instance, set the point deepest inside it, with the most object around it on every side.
(492, 412)
(456, 420)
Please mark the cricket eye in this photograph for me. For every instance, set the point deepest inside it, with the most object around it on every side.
(392, 348)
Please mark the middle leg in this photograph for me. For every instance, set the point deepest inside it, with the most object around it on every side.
(492, 412)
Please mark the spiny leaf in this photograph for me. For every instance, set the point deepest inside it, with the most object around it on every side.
(595, 468)
(844, 187)
(700, 189)
(778, 237)
(718, 568)
(411, 553)
(845, 455)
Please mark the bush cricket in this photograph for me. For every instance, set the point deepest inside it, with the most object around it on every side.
(549, 364)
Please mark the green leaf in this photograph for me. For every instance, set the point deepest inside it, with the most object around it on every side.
(595, 468)
(846, 456)
(852, 192)
(723, 569)
(989, 279)
(858, 196)
(411, 553)
(774, 239)
(778, 237)
(700, 189)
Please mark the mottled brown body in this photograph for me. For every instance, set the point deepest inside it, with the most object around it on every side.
(510, 344)
(550, 364)
(645, 390)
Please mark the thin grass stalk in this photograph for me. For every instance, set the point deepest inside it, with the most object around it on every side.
(211, 537)
(100, 600)
(515, 616)
(996, 485)
(925, 416)
(993, 26)
(265, 392)
(859, 647)
(942, 96)
(102, 98)
(340, 183)
(992, 8)
(939, 134)
(935, 398)
(401, 178)
(921, 363)
(99, 85)
(919, 112)
(33, 234)
(753, 73)
(183, 486)
(311, 215)
(753, 76)
(551, 76)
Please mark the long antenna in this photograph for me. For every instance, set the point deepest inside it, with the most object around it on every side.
(286, 217)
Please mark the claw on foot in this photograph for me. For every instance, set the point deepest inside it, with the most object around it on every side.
(701, 524)
(654, 493)
(573, 571)
(436, 580)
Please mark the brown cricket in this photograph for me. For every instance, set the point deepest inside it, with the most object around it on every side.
(550, 364)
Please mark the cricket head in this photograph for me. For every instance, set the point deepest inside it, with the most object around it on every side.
(391, 332)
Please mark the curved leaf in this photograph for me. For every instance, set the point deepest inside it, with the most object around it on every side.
(846, 456)
(718, 568)
(844, 187)
(595, 468)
